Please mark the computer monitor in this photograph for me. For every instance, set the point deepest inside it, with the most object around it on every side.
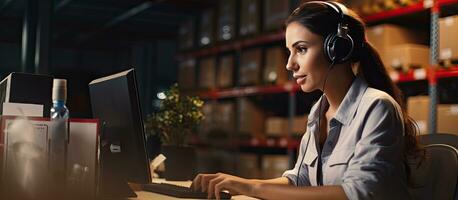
(115, 102)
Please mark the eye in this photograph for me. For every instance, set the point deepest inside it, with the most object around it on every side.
(301, 50)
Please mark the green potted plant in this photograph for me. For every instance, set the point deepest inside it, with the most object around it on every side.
(178, 116)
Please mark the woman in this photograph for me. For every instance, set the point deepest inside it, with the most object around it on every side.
(358, 134)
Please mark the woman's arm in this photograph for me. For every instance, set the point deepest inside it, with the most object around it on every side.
(279, 181)
(207, 182)
(278, 188)
(270, 191)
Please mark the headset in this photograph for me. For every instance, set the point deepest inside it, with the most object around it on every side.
(338, 48)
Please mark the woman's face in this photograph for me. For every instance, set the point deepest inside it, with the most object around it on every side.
(306, 57)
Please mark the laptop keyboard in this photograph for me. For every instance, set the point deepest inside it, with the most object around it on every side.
(179, 191)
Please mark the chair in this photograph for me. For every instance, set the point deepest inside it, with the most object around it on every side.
(436, 176)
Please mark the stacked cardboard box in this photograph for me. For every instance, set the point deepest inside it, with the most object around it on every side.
(278, 126)
(274, 66)
(250, 67)
(186, 34)
(447, 118)
(248, 166)
(207, 73)
(209, 121)
(187, 74)
(225, 72)
(207, 27)
(249, 17)
(447, 115)
(251, 119)
(273, 166)
(448, 30)
(275, 14)
(418, 109)
(226, 117)
(407, 56)
(385, 37)
(226, 20)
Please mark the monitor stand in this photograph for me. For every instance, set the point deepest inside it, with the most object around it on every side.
(112, 182)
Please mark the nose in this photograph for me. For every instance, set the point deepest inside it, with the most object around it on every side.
(291, 65)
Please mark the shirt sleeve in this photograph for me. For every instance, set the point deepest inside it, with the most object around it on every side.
(378, 152)
(292, 173)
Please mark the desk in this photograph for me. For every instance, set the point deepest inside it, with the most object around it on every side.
(144, 195)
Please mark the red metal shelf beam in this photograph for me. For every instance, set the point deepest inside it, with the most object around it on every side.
(394, 13)
(413, 75)
(235, 45)
(447, 2)
(250, 91)
(421, 74)
(254, 143)
(446, 73)
(417, 7)
(270, 143)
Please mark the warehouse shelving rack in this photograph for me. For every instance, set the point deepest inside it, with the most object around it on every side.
(431, 74)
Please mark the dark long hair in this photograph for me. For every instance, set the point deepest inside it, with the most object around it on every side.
(321, 20)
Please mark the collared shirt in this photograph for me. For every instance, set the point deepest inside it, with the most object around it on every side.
(363, 151)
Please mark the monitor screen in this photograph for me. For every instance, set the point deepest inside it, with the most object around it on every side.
(115, 102)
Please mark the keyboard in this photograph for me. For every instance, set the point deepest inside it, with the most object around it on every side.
(179, 191)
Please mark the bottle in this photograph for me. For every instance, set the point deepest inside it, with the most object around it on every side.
(58, 139)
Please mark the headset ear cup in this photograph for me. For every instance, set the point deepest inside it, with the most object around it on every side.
(328, 50)
(338, 49)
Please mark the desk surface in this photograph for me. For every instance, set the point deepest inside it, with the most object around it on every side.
(144, 195)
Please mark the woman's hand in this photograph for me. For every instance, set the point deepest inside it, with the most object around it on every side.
(213, 184)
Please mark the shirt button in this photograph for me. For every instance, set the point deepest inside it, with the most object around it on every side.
(330, 143)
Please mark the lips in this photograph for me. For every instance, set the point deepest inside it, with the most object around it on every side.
(300, 79)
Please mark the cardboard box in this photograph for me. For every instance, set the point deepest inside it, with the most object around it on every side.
(248, 166)
(226, 20)
(187, 74)
(209, 121)
(275, 14)
(418, 109)
(249, 17)
(447, 118)
(277, 126)
(225, 72)
(186, 34)
(385, 37)
(273, 166)
(448, 30)
(275, 66)
(226, 117)
(407, 56)
(207, 73)
(250, 67)
(207, 27)
(251, 119)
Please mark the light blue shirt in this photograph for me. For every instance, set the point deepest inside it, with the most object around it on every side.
(363, 151)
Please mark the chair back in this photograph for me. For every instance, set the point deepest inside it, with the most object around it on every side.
(436, 176)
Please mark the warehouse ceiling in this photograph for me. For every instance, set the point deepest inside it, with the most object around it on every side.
(103, 22)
